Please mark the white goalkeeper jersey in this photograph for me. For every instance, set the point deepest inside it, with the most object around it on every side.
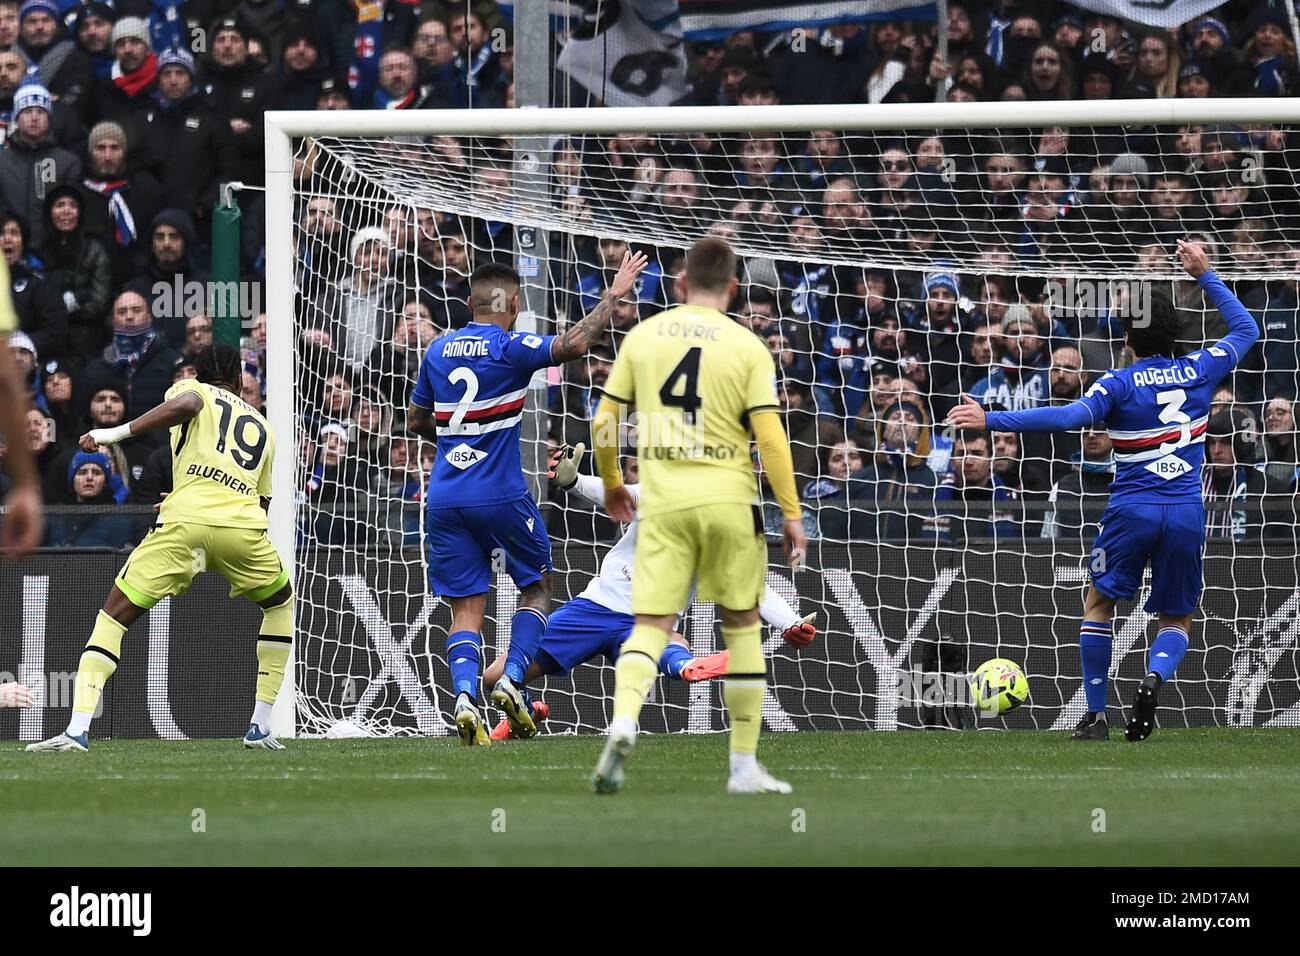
(612, 586)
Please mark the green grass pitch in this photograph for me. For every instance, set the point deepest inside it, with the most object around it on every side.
(1183, 797)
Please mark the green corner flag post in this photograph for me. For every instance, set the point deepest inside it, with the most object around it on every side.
(226, 320)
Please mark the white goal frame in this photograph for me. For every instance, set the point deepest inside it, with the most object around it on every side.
(282, 127)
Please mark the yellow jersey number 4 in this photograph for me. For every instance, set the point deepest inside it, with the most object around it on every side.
(682, 387)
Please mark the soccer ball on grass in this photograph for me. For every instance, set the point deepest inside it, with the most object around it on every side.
(999, 687)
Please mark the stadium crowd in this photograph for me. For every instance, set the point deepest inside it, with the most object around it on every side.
(120, 127)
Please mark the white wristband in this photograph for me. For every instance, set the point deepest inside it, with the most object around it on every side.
(110, 436)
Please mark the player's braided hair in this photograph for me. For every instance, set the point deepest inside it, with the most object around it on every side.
(1155, 333)
(219, 364)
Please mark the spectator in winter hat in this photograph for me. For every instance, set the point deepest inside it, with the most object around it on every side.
(119, 200)
(1129, 166)
(890, 494)
(1020, 380)
(170, 275)
(304, 64)
(1212, 44)
(61, 385)
(112, 480)
(62, 68)
(1209, 36)
(1194, 80)
(334, 94)
(25, 359)
(127, 91)
(92, 26)
(1099, 77)
(1270, 61)
(29, 145)
(237, 90)
(65, 126)
(106, 409)
(723, 87)
(78, 274)
(91, 481)
(190, 145)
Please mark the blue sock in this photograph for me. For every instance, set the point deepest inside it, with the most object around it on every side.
(463, 656)
(1095, 643)
(1169, 647)
(526, 630)
(673, 659)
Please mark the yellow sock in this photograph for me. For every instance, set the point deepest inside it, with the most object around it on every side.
(638, 666)
(98, 661)
(273, 644)
(743, 686)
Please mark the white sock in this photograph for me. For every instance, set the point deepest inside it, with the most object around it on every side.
(743, 763)
(623, 727)
(79, 724)
(262, 716)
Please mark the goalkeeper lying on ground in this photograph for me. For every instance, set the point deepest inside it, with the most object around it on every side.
(600, 619)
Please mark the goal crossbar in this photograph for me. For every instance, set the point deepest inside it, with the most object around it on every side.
(740, 119)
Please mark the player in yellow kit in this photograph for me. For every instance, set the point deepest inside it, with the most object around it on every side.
(214, 519)
(700, 384)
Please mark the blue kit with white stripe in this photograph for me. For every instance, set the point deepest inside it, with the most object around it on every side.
(475, 380)
(1156, 411)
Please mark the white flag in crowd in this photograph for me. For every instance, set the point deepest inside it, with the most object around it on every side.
(628, 53)
(713, 19)
(1153, 13)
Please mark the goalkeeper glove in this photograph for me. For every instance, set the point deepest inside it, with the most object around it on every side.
(563, 470)
(801, 632)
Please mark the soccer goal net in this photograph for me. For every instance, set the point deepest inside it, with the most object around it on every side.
(893, 258)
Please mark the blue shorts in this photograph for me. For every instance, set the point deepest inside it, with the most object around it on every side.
(579, 631)
(468, 546)
(1171, 537)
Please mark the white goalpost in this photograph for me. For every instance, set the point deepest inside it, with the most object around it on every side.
(894, 257)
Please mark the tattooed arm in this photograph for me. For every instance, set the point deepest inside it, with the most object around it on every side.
(578, 338)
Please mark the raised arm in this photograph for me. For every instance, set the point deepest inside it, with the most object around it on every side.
(578, 338)
(174, 411)
(1243, 330)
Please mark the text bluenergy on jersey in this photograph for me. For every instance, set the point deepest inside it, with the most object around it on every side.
(221, 462)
